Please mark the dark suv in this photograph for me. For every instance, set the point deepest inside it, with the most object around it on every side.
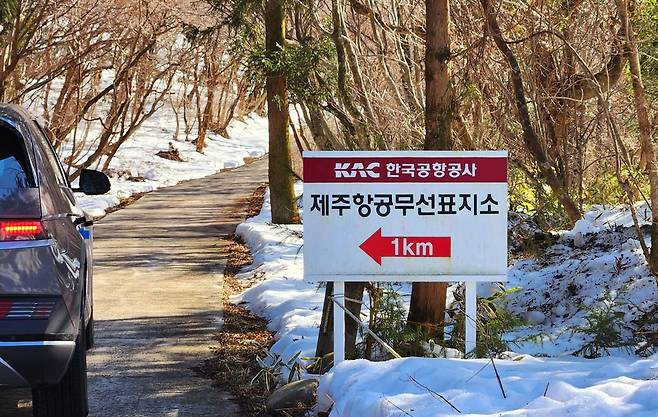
(46, 315)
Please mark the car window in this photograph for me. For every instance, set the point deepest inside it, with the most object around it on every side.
(14, 167)
(51, 155)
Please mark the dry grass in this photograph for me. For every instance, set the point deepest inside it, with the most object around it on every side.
(243, 336)
(255, 202)
(125, 203)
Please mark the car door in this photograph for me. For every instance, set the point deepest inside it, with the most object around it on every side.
(62, 218)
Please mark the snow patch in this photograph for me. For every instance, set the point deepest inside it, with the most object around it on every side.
(420, 387)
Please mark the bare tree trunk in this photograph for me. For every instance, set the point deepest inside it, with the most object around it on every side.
(204, 119)
(532, 142)
(284, 204)
(174, 108)
(406, 68)
(438, 91)
(428, 300)
(465, 138)
(641, 109)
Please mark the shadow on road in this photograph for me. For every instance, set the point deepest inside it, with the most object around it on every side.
(135, 359)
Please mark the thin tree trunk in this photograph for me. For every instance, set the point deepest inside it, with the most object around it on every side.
(174, 108)
(204, 120)
(465, 138)
(282, 193)
(641, 109)
(438, 91)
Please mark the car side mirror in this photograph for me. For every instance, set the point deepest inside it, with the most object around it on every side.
(94, 182)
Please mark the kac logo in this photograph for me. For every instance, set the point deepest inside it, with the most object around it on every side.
(354, 169)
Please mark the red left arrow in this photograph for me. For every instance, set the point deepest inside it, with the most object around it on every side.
(378, 246)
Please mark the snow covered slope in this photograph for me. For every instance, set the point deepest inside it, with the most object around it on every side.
(598, 265)
(135, 168)
(555, 292)
(137, 159)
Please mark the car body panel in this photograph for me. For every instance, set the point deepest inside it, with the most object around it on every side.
(35, 363)
(20, 203)
(25, 270)
(45, 285)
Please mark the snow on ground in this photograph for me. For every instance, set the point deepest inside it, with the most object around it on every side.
(599, 218)
(292, 306)
(137, 159)
(555, 292)
(565, 387)
(603, 268)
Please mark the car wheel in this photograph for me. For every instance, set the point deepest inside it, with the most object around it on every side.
(68, 398)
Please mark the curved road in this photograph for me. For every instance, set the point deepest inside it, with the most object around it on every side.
(157, 292)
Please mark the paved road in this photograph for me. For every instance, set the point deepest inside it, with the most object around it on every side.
(157, 291)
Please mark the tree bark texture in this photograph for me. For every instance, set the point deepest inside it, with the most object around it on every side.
(438, 91)
(428, 300)
(642, 112)
(282, 193)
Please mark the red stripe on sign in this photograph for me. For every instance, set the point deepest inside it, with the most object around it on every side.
(405, 169)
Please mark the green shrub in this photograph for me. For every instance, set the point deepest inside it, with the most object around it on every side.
(388, 321)
(604, 327)
(274, 369)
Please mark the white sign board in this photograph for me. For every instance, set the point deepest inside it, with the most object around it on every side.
(405, 216)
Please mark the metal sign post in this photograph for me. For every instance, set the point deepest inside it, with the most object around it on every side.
(470, 319)
(405, 217)
(339, 323)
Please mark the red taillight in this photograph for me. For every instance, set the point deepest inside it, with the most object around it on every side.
(21, 230)
(27, 308)
(5, 306)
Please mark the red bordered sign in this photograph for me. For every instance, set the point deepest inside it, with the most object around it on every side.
(405, 216)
